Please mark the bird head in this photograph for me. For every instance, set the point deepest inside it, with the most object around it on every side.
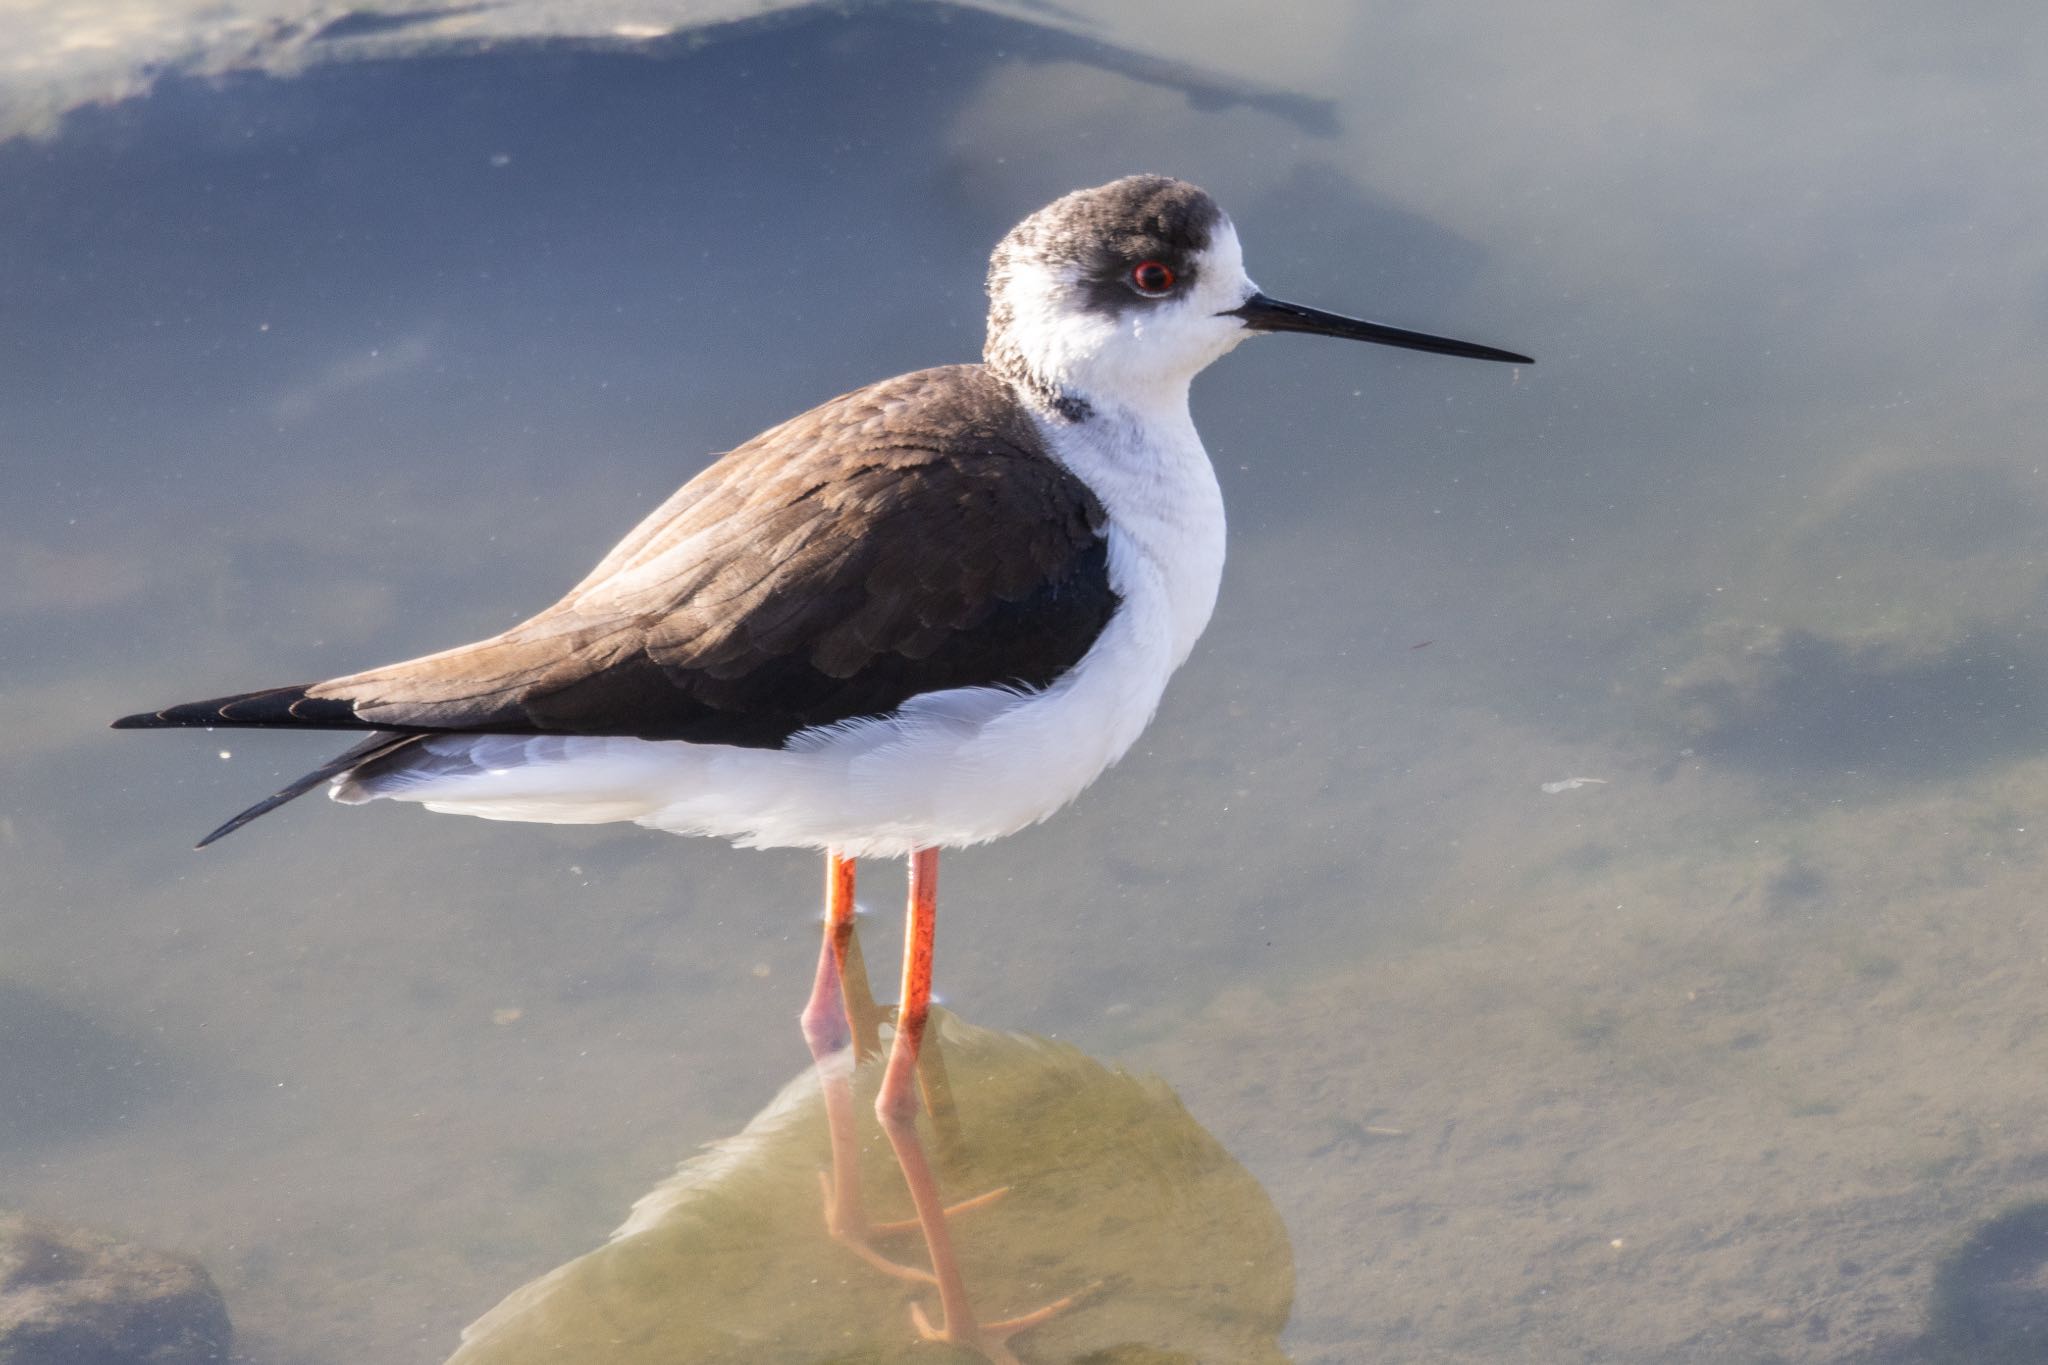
(1124, 292)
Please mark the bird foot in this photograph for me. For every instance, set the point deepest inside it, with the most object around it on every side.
(991, 1338)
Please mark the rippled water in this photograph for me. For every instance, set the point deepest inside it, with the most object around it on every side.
(1734, 1053)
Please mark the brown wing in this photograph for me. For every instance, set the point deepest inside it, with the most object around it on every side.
(907, 537)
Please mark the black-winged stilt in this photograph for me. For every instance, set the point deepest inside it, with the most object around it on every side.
(920, 616)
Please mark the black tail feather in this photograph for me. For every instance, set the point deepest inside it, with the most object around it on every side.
(375, 747)
(276, 707)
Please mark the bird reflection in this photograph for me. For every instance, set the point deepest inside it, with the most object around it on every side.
(1106, 1225)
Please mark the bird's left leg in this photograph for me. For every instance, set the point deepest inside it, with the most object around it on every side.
(897, 1106)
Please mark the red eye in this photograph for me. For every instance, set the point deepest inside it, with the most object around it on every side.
(1153, 279)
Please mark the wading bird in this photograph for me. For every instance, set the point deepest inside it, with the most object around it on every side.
(921, 616)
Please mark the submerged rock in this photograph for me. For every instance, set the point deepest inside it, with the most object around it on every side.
(71, 1297)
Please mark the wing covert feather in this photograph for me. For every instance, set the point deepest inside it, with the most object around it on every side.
(904, 538)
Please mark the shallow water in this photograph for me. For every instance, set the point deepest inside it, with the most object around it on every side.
(1722, 1056)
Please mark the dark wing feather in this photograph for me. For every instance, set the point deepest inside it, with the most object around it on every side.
(271, 708)
(904, 538)
(371, 749)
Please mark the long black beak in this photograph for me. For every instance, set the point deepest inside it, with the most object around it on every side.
(1262, 314)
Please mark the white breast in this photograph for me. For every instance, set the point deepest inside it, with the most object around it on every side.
(950, 768)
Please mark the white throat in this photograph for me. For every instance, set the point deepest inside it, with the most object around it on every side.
(1141, 358)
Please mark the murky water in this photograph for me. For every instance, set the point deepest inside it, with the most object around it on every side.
(1734, 1053)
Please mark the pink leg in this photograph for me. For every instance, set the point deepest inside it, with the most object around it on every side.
(824, 1017)
(897, 1106)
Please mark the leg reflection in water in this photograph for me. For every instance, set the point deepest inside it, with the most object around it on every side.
(1110, 1182)
(842, 1025)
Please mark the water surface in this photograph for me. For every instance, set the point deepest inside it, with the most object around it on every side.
(1716, 1057)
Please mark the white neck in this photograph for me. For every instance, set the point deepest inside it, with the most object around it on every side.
(1143, 458)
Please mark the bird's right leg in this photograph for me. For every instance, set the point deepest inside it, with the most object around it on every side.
(829, 1033)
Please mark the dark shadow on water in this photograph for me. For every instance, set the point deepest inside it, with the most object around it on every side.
(543, 182)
